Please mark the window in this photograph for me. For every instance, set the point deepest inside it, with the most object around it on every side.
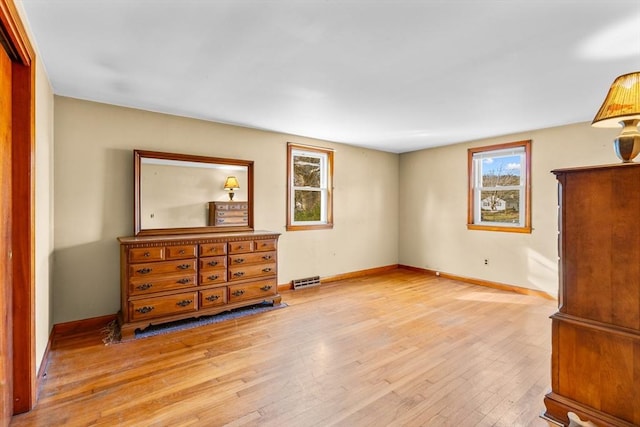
(500, 187)
(309, 188)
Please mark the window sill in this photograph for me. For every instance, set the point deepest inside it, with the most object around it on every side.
(499, 228)
(309, 227)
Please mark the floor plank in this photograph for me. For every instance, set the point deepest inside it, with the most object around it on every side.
(395, 349)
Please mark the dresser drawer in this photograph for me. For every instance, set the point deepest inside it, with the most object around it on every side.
(266, 245)
(240, 247)
(252, 258)
(243, 272)
(179, 252)
(232, 220)
(245, 291)
(231, 206)
(210, 263)
(149, 308)
(213, 276)
(146, 254)
(211, 249)
(213, 297)
(228, 214)
(151, 284)
(186, 266)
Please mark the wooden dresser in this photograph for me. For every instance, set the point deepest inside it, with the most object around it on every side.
(228, 214)
(171, 277)
(595, 362)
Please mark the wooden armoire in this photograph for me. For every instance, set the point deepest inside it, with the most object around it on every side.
(595, 362)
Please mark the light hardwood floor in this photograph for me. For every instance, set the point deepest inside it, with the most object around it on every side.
(396, 349)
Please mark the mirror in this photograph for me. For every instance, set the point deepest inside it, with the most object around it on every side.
(180, 194)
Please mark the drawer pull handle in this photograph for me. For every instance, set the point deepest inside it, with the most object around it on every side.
(238, 260)
(145, 309)
(238, 274)
(266, 288)
(144, 270)
(266, 257)
(238, 293)
(147, 254)
(181, 251)
(184, 281)
(184, 266)
(213, 277)
(266, 270)
(212, 297)
(144, 286)
(184, 302)
(212, 263)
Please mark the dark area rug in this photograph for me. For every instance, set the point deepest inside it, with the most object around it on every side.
(112, 332)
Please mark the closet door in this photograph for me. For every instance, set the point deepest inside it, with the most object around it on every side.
(6, 326)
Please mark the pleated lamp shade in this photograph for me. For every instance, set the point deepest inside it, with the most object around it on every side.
(622, 107)
(622, 102)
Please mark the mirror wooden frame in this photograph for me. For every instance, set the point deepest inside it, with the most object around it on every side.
(139, 155)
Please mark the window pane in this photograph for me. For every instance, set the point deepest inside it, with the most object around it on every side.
(306, 171)
(501, 171)
(307, 205)
(500, 206)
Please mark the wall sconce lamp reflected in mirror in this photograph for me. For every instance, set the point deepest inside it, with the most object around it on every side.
(231, 184)
(622, 107)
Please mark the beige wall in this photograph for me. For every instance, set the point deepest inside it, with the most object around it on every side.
(94, 201)
(433, 213)
(43, 203)
(44, 211)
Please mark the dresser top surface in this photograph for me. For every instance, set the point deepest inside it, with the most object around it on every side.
(241, 235)
(229, 202)
(595, 167)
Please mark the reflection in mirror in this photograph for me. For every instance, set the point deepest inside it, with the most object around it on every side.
(174, 192)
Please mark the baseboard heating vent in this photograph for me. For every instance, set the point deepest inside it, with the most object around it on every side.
(306, 283)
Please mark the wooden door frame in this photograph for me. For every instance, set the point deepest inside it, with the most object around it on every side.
(23, 210)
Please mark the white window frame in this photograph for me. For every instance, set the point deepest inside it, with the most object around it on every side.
(476, 159)
(325, 157)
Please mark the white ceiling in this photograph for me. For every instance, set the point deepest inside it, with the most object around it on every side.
(394, 75)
